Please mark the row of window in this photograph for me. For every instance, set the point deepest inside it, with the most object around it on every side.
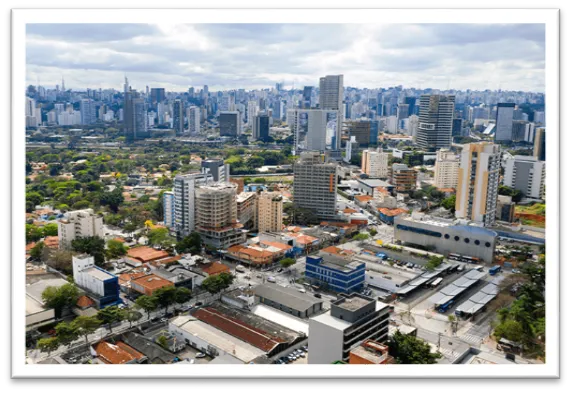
(467, 240)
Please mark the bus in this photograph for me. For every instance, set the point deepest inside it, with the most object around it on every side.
(445, 306)
(463, 258)
(494, 270)
(436, 282)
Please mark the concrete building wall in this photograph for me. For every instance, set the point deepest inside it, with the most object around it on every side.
(325, 343)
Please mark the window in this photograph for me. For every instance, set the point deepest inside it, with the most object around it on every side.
(447, 236)
(466, 240)
(477, 242)
(488, 244)
(456, 238)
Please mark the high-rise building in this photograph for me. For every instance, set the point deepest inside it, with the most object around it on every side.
(134, 116)
(539, 144)
(157, 96)
(539, 117)
(310, 130)
(76, 224)
(402, 111)
(169, 209)
(178, 117)
(306, 101)
(413, 127)
(526, 174)
(456, 127)
(435, 122)
(219, 171)
(478, 181)
(331, 98)
(247, 209)
(375, 163)
(446, 171)
(252, 112)
(217, 216)
(184, 206)
(88, 112)
(261, 127)
(193, 116)
(411, 102)
(350, 321)
(229, 123)
(403, 177)
(504, 122)
(315, 185)
(360, 129)
(270, 212)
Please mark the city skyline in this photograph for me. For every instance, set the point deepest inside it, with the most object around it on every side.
(256, 56)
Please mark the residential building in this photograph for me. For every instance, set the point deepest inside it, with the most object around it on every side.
(288, 300)
(270, 212)
(337, 272)
(117, 353)
(102, 286)
(539, 144)
(504, 122)
(229, 122)
(478, 181)
(178, 117)
(76, 224)
(403, 178)
(435, 122)
(88, 111)
(193, 116)
(217, 169)
(526, 174)
(217, 216)
(506, 209)
(169, 209)
(375, 163)
(446, 169)
(351, 320)
(446, 236)
(315, 185)
(247, 208)
(184, 207)
(261, 127)
(370, 352)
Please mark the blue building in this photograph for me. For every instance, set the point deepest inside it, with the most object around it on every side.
(168, 209)
(374, 136)
(101, 286)
(339, 274)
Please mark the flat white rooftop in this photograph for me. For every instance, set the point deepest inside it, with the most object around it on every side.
(281, 318)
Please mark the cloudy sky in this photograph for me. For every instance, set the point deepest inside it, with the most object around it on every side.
(251, 56)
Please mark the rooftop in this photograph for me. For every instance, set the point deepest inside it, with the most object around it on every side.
(352, 303)
(152, 282)
(289, 297)
(374, 183)
(119, 353)
(146, 254)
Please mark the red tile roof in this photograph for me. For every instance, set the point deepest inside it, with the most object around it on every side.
(391, 212)
(363, 198)
(120, 353)
(51, 241)
(253, 336)
(215, 268)
(146, 254)
(84, 302)
(151, 282)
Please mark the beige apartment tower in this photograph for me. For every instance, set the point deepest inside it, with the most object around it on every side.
(270, 212)
(375, 163)
(76, 224)
(478, 181)
(446, 171)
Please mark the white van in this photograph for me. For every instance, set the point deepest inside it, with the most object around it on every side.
(271, 279)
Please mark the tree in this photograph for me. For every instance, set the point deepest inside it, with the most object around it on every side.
(411, 350)
(37, 251)
(182, 295)
(66, 333)
(93, 245)
(162, 341)
(59, 298)
(110, 315)
(60, 260)
(511, 330)
(433, 263)
(147, 303)
(449, 203)
(217, 283)
(453, 322)
(115, 249)
(50, 229)
(165, 297)
(373, 232)
(159, 237)
(190, 244)
(85, 326)
(287, 262)
(113, 199)
(48, 344)
(33, 233)
(361, 236)
(131, 315)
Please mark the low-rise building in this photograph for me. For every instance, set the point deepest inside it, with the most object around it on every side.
(101, 285)
(337, 273)
(118, 353)
(288, 300)
(370, 352)
(149, 283)
(388, 215)
(146, 254)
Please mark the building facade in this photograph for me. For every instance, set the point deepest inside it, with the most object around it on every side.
(478, 181)
(76, 224)
(539, 144)
(229, 122)
(375, 163)
(338, 274)
(184, 206)
(101, 285)
(504, 122)
(217, 169)
(178, 117)
(435, 122)
(446, 170)
(403, 178)
(169, 209)
(526, 174)
(270, 212)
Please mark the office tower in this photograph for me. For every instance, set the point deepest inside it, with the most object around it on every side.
(125, 85)
(157, 96)
(178, 117)
(529, 133)
(76, 224)
(539, 144)
(539, 117)
(375, 163)
(349, 148)
(413, 127)
(205, 90)
(504, 122)
(217, 216)
(519, 130)
(193, 116)
(481, 112)
(261, 129)
(402, 111)
(391, 124)
(526, 174)
(30, 106)
(411, 102)
(252, 112)
(229, 123)
(403, 178)
(169, 209)
(315, 185)
(435, 122)
(270, 212)
(306, 101)
(219, 171)
(184, 206)
(478, 181)
(456, 127)
(351, 320)
(310, 130)
(134, 116)
(446, 171)
(360, 129)
(331, 98)
(374, 132)
(88, 112)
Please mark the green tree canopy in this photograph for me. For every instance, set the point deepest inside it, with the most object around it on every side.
(85, 326)
(182, 295)
(190, 244)
(66, 333)
(218, 282)
(110, 315)
(48, 344)
(287, 262)
(147, 303)
(37, 251)
(165, 297)
(59, 298)
(411, 350)
(116, 249)
(93, 245)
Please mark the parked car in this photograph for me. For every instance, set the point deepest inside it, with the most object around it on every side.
(317, 295)
(197, 304)
(280, 270)
(164, 320)
(200, 355)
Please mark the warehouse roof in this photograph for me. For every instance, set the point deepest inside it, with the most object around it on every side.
(289, 297)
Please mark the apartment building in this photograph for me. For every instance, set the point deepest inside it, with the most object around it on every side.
(76, 224)
(526, 174)
(247, 208)
(375, 163)
(403, 178)
(270, 212)
(184, 208)
(446, 171)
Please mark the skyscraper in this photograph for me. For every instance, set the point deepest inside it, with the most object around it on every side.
(360, 129)
(178, 117)
(306, 101)
(217, 169)
(88, 112)
(446, 170)
(539, 144)
(270, 212)
(331, 98)
(184, 208)
(134, 116)
(315, 185)
(504, 122)
(526, 174)
(229, 123)
(435, 122)
(261, 129)
(193, 116)
(169, 209)
(411, 101)
(478, 181)
(375, 163)
(157, 96)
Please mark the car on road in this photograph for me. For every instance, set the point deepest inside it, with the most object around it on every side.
(164, 320)
(200, 355)
(198, 304)
(317, 295)
(280, 270)
(301, 290)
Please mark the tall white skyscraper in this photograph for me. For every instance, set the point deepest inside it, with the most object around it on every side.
(184, 209)
(435, 121)
(193, 116)
(331, 98)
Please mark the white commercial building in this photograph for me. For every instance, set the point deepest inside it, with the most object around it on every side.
(446, 171)
(375, 163)
(527, 174)
(478, 181)
(193, 116)
(79, 223)
(102, 285)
